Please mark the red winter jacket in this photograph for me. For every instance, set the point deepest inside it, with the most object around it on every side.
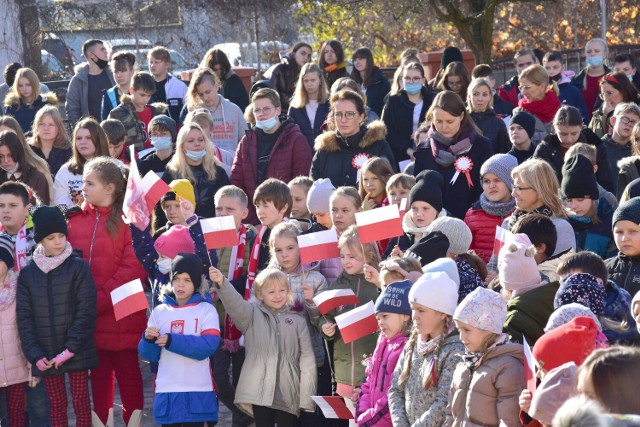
(113, 263)
(483, 229)
(290, 157)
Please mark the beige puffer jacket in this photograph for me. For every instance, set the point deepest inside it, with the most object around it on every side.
(14, 368)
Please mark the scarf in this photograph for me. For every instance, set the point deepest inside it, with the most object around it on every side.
(48, 263)
(8, 289)
(336, 66)
(498, 209)
(409, 227)
(445, 150)
(20, 247)
(517, 214)
(544, 109)
(426, 347)
(474, 360)
(236, 263)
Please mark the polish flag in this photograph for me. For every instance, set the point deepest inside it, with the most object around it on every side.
(404, 206)
(154, 189)
(357, 323)
(529, 367)
(128, 299)
(219, 232)
(379, 224)
(133, 210)
(503, 236)
(318, 246)
(334, 407)
(328, 300)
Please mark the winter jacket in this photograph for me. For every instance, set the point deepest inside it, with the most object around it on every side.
(176, 96)
(549, 267)
(488, 395)
(25, 114)
(599, 123)
(284, 76)
(551, 151)
(628, 170)
(494, 129)
(409, 403)
(522, 155)
(595, 238)
(373, 407)
(136, 134)
(184, 389)
(541, 129)
(110, 100)
(300, 117)
(57, 311)
(459, 196)
(14, 368)
(618, 308)
(571, 95)
(398, 117)
(279, 370)
(339, 158)
(332, 76)
(290, 157)
(615, 154)
(625, 271)
(113, 263)
(500, 106)
(57, 157)
(527, 314)
(483, 230)
(233, 89)
(67, 188)
(331, 269)
(377, 91)
(77, 101)
(510, 91)
(347, 358)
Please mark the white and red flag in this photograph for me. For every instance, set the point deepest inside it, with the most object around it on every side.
(219, 232)
(404, 206)
(318, 246)
(379, 224)
(503, 236)
(154, 189)
(357, 323)
(529, 367)
(128, 299)
(328, 300)
(134, 206)
(334, 407)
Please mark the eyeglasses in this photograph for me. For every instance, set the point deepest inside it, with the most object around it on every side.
(412, 79)
(627, 121)
(349, 115)
(454, 84)
(260, 111)
(521, 189)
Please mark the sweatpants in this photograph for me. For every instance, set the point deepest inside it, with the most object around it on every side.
(57, 393)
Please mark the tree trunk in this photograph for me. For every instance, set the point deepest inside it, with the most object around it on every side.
(30, 29)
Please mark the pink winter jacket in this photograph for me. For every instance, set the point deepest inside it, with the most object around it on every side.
(14, 368)
(372, 408)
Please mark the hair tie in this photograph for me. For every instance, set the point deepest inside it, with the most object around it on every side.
(612, 79)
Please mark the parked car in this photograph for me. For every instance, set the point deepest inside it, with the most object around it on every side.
(58, 48)
(52, 69)
(118, 45)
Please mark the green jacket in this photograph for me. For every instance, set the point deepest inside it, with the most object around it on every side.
(527, 314)
(347, 358)
(135, 133)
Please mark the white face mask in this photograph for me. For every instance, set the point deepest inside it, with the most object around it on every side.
(164, 265)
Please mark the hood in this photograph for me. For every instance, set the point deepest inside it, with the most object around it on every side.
(628, 163)
(329, 141)
(12, 99)
(567, 75)
(82, 69)
(509, 349)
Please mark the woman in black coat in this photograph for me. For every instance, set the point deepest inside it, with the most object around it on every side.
(285, 75)
(366, 74)
(480, 106)
(332, 62)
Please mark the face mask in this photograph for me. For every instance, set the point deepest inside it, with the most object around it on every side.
(413, 88)
(267, 124)
(161, 143)
(595, 61)
(101, 63)
(164, 266)
(630, 77)
(12, 170)
(557, 77)
(195, 155)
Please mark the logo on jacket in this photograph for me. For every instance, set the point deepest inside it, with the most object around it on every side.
(177, 327)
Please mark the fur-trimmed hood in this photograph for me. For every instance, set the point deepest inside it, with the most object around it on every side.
(331, 142)
(628, 162)
(13, 99)
(162, 107)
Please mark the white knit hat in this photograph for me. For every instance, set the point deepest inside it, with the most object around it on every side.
(457, 232)
(444, 265)
(318, 196)
(436, 291)
(517, 267)
(483, 309)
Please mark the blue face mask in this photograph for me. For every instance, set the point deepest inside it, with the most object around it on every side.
(161, 143)
(195, 155)
(268, 124)
(630, 77)
(595, 61)
(413, 88)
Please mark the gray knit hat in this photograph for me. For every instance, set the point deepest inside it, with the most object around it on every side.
(501, 166)
(167, 122)
(627, 211)
(318, 196)
(457, 232)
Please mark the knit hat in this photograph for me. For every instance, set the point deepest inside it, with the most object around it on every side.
(627, 211)
(578, 179)
(584, 289)
(428, 188)
(165, 121)
(48, 220)
(436, 291)
(430, 247)
(318, 195)
(557, 387)
(450, 54)
(483, 309)
(517, 268)
(501, 166)
(457, 232)
(181, 188)
(564, 314)
(174, 241)
(526, 120)
(445, 265)
(6, 250)
(571, 342)
(190, 264)
(395, 299)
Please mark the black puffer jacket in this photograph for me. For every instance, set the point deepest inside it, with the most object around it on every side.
(624, 271)
(377, 91)
(494, 129)
(57, 311)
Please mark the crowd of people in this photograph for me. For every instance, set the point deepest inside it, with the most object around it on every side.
(520, 213)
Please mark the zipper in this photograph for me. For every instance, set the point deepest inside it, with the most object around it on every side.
(51, 323)
(93, 237)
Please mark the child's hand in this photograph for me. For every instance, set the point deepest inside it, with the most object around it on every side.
(216, 276)
(525, 400)
(371, 275)
(57, 361)
(187, 208)
(162, 340)
(397, 252)
(308, 293)
(355, 395)
(151, 333)
(368, 203)
(43, 364)
(329, 329)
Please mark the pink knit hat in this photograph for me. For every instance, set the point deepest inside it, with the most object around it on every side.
(174, 241)
(517, 268)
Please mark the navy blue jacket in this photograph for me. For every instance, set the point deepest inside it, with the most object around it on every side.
(571, 95)
(300, 117)
(494, 129)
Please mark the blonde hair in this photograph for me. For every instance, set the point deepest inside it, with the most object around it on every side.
(541, 177)
(62, 139)
(351, 240)
(587, 150)
(378, 166)
(201, 75)
(409, 349)
(201, 116)
(400, 180)
(348, 192)
(178, 165)
(300, 96)
(270, 276)
(234, 192)
(284, 230)
(537, 75)
(635, 139)
(34, 81)
(476, 83)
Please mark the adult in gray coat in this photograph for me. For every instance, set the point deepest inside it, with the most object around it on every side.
(84, 95)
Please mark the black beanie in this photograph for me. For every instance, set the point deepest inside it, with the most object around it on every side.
(449, 55)
(627, 211)
(526, 120)
(428, 249)
(48, 220)
(578, 179)
(190, 264)
(428, 188)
